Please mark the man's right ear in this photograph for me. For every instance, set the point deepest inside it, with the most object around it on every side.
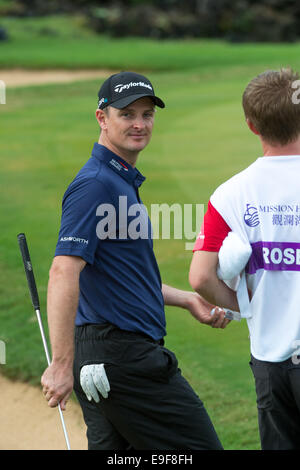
(252, 127)
(101, 117)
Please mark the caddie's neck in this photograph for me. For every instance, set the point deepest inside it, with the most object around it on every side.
(271, 150)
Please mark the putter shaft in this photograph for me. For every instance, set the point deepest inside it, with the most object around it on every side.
(36, 305)
(38, 314)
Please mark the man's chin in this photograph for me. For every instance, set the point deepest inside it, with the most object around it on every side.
(139, 140)
(137, 146)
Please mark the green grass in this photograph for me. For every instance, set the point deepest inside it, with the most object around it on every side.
(199, 140)
(67, 42)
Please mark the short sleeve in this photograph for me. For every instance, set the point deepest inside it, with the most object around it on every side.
(77, 235)
(213, 231)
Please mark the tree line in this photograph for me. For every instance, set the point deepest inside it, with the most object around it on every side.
(236, 21)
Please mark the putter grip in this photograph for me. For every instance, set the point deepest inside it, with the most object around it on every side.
(29, 271)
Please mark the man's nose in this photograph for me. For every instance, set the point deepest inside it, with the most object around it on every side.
(139, 123)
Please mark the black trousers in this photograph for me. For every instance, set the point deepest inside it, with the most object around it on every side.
(278, 402)
(150, 405)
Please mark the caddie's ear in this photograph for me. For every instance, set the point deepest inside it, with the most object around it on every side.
(101, 117)
(252, 127)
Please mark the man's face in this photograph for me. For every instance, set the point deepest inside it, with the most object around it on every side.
(127, 131)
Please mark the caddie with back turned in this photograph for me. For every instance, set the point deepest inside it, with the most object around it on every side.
(255, 217)
(105, 280)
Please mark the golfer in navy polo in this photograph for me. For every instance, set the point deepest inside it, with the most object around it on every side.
(105, 284)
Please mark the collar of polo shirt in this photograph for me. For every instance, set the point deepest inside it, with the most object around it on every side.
(118, 165)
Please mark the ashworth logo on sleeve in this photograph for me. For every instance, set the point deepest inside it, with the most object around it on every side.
(74, 239)
(119, 88)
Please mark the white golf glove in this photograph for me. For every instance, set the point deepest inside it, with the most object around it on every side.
(93, 378)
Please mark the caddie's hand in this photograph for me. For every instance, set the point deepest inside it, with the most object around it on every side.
(93, 378)
(201, 310)
(57, 382)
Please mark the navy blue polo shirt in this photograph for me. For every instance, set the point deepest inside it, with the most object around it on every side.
(105, 222)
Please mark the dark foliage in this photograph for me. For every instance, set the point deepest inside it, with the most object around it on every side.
(240, 20)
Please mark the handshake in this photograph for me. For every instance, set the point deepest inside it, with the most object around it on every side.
(93, 379)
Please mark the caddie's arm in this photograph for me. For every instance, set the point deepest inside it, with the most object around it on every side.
(62, 302)
(196, 305)
(204, 280)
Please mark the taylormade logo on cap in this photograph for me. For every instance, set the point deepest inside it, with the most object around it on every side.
(122, 89)
(119, 88)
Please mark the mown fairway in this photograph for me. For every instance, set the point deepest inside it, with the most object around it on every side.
(199, 140)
